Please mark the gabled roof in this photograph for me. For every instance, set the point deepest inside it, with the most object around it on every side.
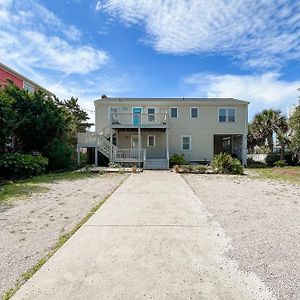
(191, 100)
(15, 73)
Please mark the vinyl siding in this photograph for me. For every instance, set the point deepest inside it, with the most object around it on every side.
(201, 129)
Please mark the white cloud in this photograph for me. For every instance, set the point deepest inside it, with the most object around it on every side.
(261, 34)
(266, 90)
(33, 37)
(98, 6)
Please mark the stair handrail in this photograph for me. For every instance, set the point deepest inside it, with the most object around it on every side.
(105, 131)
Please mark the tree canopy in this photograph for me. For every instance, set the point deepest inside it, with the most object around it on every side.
(36, 122)
(264, 126)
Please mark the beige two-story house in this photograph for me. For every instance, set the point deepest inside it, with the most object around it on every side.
(147, 131)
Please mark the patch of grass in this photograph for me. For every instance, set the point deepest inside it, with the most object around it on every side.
(15, 189)
(290, 174)
(61, 241)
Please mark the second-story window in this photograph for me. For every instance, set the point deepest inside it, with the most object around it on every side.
(222, 115)
(174, 112)
(194, 113)
(231, 114)
(227, 115)
(28, 87)
(151, 114)
(113, 114)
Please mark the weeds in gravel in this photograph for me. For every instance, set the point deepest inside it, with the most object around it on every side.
(62, 239)
(290, 174)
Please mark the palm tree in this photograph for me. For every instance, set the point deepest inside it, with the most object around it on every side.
(265, 124)
(281, 130)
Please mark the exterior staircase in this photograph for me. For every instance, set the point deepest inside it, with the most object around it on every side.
(115, 154)
(156, 164)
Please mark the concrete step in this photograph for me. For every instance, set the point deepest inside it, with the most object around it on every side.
(156, 164)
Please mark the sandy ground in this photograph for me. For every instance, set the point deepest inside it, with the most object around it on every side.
(29, 227)
(262, 219)
(152, 239)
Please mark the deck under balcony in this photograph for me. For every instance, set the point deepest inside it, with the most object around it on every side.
(138, 120)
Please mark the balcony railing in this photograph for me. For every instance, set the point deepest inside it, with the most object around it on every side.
(137, 119)
(87, 138)
(130, 155)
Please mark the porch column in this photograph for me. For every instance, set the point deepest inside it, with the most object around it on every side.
(244, 150)
(139, 145)
(111, 147)
(167, 145)
(78, 156)
(96, 156)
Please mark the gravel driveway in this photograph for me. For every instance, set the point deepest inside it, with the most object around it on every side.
(29, 227)
(262, 218)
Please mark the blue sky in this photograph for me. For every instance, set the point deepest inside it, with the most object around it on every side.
(160, 48)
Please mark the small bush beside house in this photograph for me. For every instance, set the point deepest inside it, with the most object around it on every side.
(272, 158)
(225, 164)
(221, 164)
(177, 159)
(18, 165)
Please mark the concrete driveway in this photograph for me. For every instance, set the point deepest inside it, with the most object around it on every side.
(152, 239)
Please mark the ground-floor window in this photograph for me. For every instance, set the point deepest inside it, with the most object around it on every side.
(186, 142)
(151, 140)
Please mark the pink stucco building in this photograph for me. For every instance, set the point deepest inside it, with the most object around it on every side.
(19, 80)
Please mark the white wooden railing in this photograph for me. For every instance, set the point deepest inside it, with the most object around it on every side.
(105, 146)
(92, 139)
(86, 139)
(138, 119)
(127, 155)
(105, 131)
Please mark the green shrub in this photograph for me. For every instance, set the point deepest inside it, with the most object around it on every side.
(114, 165)
(256, 164)
(272, 158)
(18, 165)
(177, 159)
(186, 169)
(291, 159)
(280, 163)
(61, 155)
(224, 164)
(199, 169)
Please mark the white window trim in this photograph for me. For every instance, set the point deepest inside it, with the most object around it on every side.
(150, 108)
(151, 114)
(234, 114)
(154, 140)
(226, 109)
(197, 112)
(171, 114)
(190, 138)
